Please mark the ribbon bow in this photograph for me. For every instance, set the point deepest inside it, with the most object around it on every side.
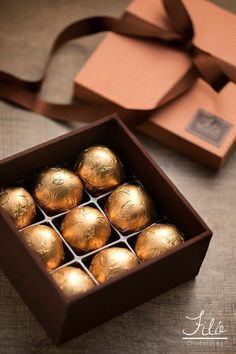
(26, 93)
(206, 64)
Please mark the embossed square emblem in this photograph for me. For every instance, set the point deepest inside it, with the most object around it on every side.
(209, 127)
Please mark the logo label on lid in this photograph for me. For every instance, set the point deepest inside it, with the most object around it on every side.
(209, 127)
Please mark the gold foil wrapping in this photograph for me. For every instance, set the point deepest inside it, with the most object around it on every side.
(46, 243)
(156, 240)
(100, 169)
(19, 205)
(130, 208)
(72, 281)
(85, 228)
(57, 190)
(111, 262)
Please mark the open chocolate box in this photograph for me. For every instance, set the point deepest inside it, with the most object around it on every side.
(64, 317)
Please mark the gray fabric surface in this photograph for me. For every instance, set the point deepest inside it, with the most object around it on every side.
(27, 29)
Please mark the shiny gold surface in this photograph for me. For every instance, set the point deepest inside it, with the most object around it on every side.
(100, 169)
(46, 243)
(19, 204)
(85, 228)
(72, 281)
(157, 239)
(130, 208)
(57, 190)
(111, 262)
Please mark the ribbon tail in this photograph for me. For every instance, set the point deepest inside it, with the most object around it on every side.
(83, 111)
(28, 100)
(210, 70)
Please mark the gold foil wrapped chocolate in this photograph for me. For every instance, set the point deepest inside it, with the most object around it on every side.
(19, 205)
(111, 262)
(100, 169)
(72, 281)
(57, 190)
(130, 208)
(46, 243)
(156, 240)
(85, 228)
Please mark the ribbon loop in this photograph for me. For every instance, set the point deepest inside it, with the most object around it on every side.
(179, 19)
(210, 69)
(207, 66)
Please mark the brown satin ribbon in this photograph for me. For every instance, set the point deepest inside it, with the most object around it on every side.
(26, 93)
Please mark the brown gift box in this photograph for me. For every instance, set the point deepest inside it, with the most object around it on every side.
(137, 74)
(63, 317)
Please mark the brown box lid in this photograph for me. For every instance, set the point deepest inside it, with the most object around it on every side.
(136, 74)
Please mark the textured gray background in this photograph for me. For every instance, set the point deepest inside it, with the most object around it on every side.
(27, 28)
